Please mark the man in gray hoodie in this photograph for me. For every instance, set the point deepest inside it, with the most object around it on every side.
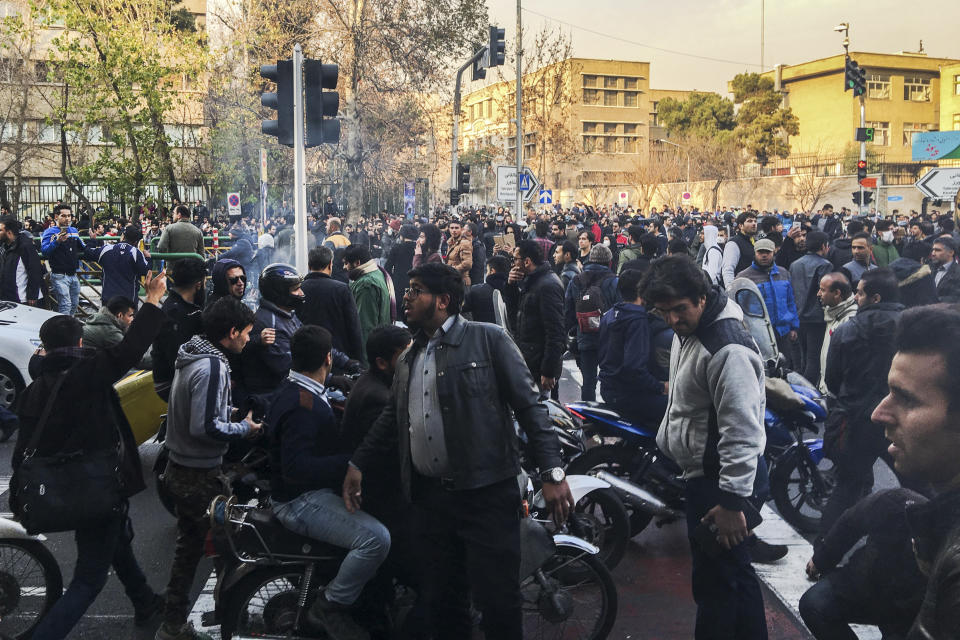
(200, 425)
(713, 429)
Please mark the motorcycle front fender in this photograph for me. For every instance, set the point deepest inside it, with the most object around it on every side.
(566, 540)
(579, 487)
(13, 529)
(815, 445)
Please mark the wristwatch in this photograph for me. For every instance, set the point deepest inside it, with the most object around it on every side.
(553, 476)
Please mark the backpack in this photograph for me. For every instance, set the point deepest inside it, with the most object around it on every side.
(591, 303)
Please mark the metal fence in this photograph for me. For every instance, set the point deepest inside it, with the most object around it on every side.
(894, 173)
(37, 200)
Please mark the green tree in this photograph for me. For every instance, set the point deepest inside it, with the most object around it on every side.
(763, 123)
(705, 115)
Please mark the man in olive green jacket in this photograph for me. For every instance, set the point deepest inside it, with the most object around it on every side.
(370, 289)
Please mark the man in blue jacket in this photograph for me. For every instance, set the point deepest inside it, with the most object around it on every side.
(308, 462)
(62, 247)
(123, 265)
(777, 291)
(627, 360)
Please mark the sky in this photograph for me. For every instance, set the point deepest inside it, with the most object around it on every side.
(729, 30)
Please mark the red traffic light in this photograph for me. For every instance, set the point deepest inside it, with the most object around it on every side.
(861, 164)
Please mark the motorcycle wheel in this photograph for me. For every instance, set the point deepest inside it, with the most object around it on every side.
(801, 488)
(571, 596)
(616, 460)
(265, 603)
(30, 584)
(601, 519)
(162, 492)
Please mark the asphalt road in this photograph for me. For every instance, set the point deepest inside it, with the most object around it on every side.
(653, 578)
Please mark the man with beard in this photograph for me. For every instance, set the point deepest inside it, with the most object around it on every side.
(450, 421)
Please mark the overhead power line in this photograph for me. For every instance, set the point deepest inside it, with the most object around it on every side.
(640, 44)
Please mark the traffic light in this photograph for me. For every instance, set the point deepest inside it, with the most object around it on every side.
(454, 197)
(479, 68)
(281, 74)
(463, 178)
(321, 102)
(498, 46)
(861, 170)
(867, 197)
(868, 131)
(856, 197)
(854, 78)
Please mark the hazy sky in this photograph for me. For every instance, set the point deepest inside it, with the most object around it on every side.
(796, 31)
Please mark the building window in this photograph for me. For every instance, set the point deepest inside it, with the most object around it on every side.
(591, 96)
(878, 86)
(654, 118)
(610, 82)
(910, 128)
(956, 85)
(629, 145)
(489, 108)
(610, 99)
(630, 99)
(956, 122)
(916, 89)
(48, 133)
(590, 143)
(881, 133)
(609, 127)
(610, 145)
(630, 129)
(631, 83)
(590, 81)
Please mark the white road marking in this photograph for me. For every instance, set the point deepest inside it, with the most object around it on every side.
(205, 603)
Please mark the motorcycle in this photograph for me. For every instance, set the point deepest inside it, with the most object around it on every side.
(270, 576)
(801, 478)
(599, 515)
(30, 581)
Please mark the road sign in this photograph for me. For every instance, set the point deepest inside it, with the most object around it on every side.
(686, 195)
(532, 183)
(940, 183)
(935, 145)
(233, 202)
(894, 198)
(525, 182)
(507, 184)
(869, 183)
(546, 196)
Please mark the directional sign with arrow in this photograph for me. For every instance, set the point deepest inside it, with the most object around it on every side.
(529, 184)
(940, 183)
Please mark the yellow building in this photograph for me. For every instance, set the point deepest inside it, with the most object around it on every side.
(904, 95)
(950, 98)
(586, 123)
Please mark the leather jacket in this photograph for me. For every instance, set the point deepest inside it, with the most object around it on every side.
(482, 383)
(936, 540)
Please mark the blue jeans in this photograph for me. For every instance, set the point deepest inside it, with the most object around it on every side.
(322, 515)
(98, 548)
(67, 291)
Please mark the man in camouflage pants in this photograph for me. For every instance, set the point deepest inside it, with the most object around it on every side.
(199, 430)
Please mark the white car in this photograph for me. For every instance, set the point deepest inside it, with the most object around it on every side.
(19, 339)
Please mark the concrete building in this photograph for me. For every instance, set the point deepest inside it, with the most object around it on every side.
(950, 97)
(904, 96)
(586, 123)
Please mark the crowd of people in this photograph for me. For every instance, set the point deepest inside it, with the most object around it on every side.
(243, 346)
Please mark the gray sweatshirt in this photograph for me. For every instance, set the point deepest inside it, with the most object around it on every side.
(198, 415)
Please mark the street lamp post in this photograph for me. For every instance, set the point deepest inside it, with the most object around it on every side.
(686, 186)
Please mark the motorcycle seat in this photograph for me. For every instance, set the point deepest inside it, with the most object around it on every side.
(280, 541)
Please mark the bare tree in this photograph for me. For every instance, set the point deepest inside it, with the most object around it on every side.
(812, 180)
(647, 174)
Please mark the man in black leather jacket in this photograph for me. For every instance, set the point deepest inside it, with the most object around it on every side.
(920, 416)
(450, 419)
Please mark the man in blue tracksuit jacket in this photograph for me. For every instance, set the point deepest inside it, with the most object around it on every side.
(777, 291)
(123, 265)
(62, 247)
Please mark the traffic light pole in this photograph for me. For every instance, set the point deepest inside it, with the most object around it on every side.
(519, 212)
(863, 144)
(456, 116)
(299, 168)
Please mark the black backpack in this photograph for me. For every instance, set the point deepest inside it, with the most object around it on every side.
(591, 303)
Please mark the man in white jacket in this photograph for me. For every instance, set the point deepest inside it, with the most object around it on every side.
(839, 305)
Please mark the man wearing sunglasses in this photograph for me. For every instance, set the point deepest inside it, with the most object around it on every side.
(229, 279)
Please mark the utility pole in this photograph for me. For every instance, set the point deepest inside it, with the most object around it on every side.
(299, 165)
(519, 211)
(762, 17)
(456, 115)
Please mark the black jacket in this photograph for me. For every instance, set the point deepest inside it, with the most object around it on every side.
(87, 414)
(885, 566)
(368, 398)
(936, 531)
(265, 366)
(840, 252)
(306, 450)
(747, 252)
(917, 286)
(482, 384)
(536, 305)
(948, 290)
(399, 262)
(478, 301)
(21, 260)
(330, 305)
(479, 268)
(218, 278)
(183, 321)
(861, 350)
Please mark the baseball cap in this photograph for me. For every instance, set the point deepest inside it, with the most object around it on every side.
(764, 244)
